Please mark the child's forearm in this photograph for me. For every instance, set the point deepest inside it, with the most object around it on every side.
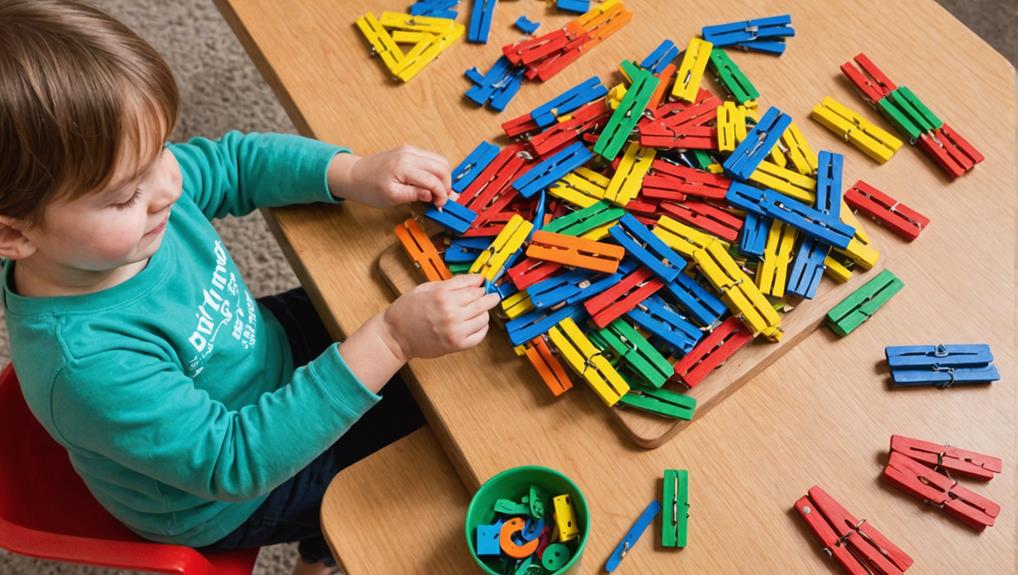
(372, 354)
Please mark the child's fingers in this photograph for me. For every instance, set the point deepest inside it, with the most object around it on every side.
(474, 324)
(421, 153)
(438, 169)
(424, 179)
(477, 337)
(481, 304)
(464, 281)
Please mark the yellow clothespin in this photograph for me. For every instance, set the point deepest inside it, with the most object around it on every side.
(684, 239)
(731, 126)
(489, 264)
(738, 291)
(798, 150)
(878, 144)
(772, 273)
(410, 36)
(424, 52)
(582, 187)
(380, 40)
(517, 304)
(715, 168)
(409, 22)
(836, 270)
(627, 181)
(694, 62)
(615, 95)
(860, 250)
(588, 362)
(792, 184)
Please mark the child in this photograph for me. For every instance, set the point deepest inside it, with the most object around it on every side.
(194, 414)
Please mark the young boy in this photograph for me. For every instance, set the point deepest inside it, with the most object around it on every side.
(194, 414)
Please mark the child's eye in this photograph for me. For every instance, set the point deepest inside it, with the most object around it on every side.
(130, 202)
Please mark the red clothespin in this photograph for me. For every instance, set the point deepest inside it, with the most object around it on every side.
(727, 338)
(529, 271)
(587, 118)
(668, 180)
(520, 126)
(954, 153)
(872, 82)
(705, 216)
(646, 212)
(915, 478)
(684, 137)
(893, 214)
(857, 546)
(553, 64)
(969, 463)
(503, 169)
(682, 125)
(677, 113)
(622, 297)
(529, 51)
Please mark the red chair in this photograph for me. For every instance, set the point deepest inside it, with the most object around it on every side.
(47, 512)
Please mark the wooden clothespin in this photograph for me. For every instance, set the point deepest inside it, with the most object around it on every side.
(788, 182)
(940, 490)
(738, 291)
(492, 262)
(453, 216)
(587, 361)
(629, 112)
(760, 35)
(526, 327)
(636, 353)
(422, 250)
(632, 536)
(702, 305)
(809, 221)
(551, 169)
(641, 244)
(683, 238)
(659, 318)
(675, 512)
(622, 297)
(727, 338)
(627, 180)
(798, 151)
(948, 458)
(875, 142)
(705, 215)
(481, 14)
(663, 402)
(940, 365)
(548, 366)
(891, 213)
(690, 74)
(863, 303)
(591, 222)
(772, 273)
(758, 144)
(575, 252)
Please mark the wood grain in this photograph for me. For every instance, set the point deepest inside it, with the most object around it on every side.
(822, 413)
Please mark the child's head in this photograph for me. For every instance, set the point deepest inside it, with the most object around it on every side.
(85, 108)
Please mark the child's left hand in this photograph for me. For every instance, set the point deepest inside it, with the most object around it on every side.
(406, 174)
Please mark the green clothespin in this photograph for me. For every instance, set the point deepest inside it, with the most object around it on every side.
(908, 114)
(459, 268)
(732, 78)
(621, 123)
(661, 401)
(675, 508)
(636, 352)
(863, 303)
(582, 221)
(510, 507)
(703, 159)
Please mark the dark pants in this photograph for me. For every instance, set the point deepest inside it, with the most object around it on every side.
(291, 512)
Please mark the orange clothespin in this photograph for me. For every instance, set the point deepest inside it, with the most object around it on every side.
(421, 250)
(575, 252)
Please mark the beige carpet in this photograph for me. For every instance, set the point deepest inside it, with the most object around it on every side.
(221, 90)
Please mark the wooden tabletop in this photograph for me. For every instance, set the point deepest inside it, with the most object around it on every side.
(823, 413)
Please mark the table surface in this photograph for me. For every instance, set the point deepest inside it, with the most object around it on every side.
(823, 413)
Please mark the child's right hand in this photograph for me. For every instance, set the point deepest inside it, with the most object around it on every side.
(437, 318)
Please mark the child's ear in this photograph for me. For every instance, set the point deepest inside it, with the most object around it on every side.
(14, 245)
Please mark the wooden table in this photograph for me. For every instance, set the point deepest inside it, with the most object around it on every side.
(823, 413)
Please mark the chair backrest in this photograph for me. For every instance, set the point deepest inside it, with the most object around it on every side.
(38, 487)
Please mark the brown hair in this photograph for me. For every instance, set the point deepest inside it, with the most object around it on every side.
(77, 88)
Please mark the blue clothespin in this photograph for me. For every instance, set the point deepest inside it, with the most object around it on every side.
(530, 325)
(542, 204)
(757, 145)
(475, 162)
(501, 286)
(941, 365)
(572, 99)
(453, 216)
(551, 169)
(702, 305)
(807, 268)
(577, 6)
(762, 35)
(797, 214)
(498, 86)
(661, 57)
(435, 8)
(526, 25)
(465, 250)
(829, 168)
(571, 287)
(634, 534)
(753, 240)
(647, 248)
(480, 21)
(662, 320)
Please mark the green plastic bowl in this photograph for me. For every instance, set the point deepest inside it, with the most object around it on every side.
(510, 484)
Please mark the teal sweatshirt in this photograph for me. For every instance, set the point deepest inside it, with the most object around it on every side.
(175, 392)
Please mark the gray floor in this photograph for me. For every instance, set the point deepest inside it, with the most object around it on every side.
(221, 90)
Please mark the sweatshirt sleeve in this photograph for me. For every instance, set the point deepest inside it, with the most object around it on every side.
(242, 172)
(143, 413)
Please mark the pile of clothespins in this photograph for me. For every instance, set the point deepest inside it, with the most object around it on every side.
(528, 536)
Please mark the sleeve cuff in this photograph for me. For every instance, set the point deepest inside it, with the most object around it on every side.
(341, 385)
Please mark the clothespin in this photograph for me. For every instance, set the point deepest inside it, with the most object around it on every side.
(548, 366)
(435, 8)
(828, 199)
(570, 287)
(530, 325)
(661, 57)
(662, 320)
(940, 365)
(868, 78)
(804, 218)
(727, 338)
(738, 291)
(598, 216)
(421, 250)
(526, 25)
(863, 303)
(772, 272)
(380, 40)
(520, 127)
(798, 150)
(425, 51)
(551, 169)
(453, 216)
(517, 304)
(792, 184)
(678, 125)
(572, 99)
(584, 120)
(732, 78)
(492, 262)
(578, 6)
(682, 238)
(856, 545)
(757, 145)
(753, 240)
(623, 296)
(601, 21)
(641, 244)
(706, 216)
(636, 353)
(628, 177)
(487, 194)
(668, 181)
(629, 112)
(908, 114)
(898, 217)
(690, 74)
(875, 142)
(481, 14)
(530, 271)
(575, 252)
(464, 250)
(952, 152)
(496, 87)
(947, 458)
(675, 515)
(699, 302)
(940, 490)
(661, 402)
(475, 162)
(761, 35)
(807, 268)
(731, 126)
(860, 250)
(588, 362)
(632, 536)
